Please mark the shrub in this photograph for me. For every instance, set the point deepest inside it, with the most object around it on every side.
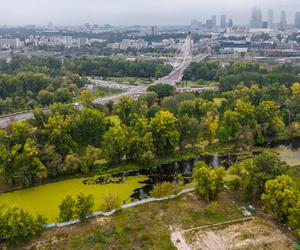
(67, 209)
(19, 226)
(111, 201)
(162, 189)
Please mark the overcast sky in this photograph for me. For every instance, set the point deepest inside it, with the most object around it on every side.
(128, 12)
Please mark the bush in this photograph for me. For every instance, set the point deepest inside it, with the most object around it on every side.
(162, 189)
(84, 206)
(18, 226)
(235, 184)
(67, 209)
(111, 201)
(212, 209)
(209, 181)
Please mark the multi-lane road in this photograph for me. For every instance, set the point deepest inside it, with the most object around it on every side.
(5, 120)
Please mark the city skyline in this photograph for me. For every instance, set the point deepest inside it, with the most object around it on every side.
(131, 12)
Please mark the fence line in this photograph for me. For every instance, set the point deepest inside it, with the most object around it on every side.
(133, 204)
(220, 224)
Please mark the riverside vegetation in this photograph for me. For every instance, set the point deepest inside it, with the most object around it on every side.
(64, 141)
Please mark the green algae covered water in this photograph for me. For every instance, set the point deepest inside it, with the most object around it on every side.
(45, 199)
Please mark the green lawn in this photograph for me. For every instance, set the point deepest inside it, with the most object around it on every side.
(131, 80)
(45, 199)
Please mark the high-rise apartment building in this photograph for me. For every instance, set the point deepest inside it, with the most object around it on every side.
(256, 18)
(223, 21)
(283, 22)
(270, 18)
(214, 20)
(209, 24)
(297, 20)
(154, 30)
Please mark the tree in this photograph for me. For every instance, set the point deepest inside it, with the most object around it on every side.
(67, 209)
(187, 107)
(84, 206)
(150, 98)
(91, 155)
(30, 167)
(72, 163)
(86, 98)
(52, 160)
(295, 89)
(294, 218)
(209, 125)
(115, 143)
(45, 97)
(254, 173)
(125, 109)
(19, 226)
(189, 131)
(162, 90)
(209, 181)
(57, 129)
(270, 119)
(19, 132)
(280, 196)
(62, 95)
(88, 127)
(165, 135)
(230, 126)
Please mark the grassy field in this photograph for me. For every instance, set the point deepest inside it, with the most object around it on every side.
(143, 227)
(131, 80)
(291, 157)
(45, 199)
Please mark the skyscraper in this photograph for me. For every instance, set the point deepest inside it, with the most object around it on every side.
(209, 24)
(223, 21)
(230, 23)
(297, 20)
(256, 18)
(214, 20)
(154, 30)
(270, 18)
(194, 24)
(283, 22)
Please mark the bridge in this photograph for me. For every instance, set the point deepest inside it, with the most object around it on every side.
(185, 60)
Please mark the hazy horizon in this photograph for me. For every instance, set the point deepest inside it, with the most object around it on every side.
(131, 12)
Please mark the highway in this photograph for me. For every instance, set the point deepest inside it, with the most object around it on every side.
(5, 120)
(176, 75)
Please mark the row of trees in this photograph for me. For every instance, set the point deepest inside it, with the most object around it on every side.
(29, 89)
(109, 67)
(231, 76)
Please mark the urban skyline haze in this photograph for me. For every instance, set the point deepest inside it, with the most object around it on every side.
(130, 12)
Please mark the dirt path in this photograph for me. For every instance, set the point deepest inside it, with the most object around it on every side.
(177, 237)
